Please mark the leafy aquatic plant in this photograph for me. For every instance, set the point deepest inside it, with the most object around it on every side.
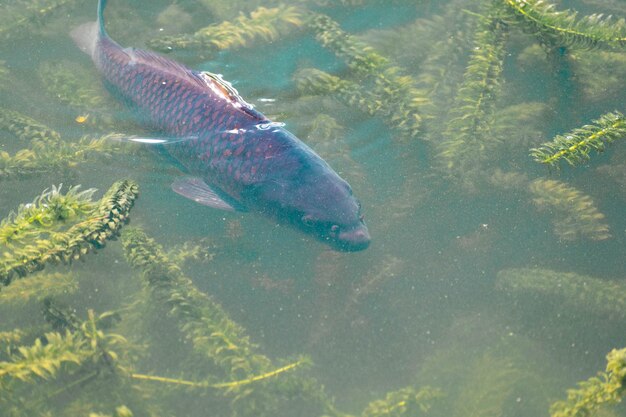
(605, 389)
(121, 411)
(441, 71)
(492, 382)
(47, 152)
(75, 86)
(44, 360)
(26, 128)
(574, 147)
(575, 214)
(46, 210)
(468, 136)
(33, 236)
(82, 359)
(263, 25)
(314, 81)
(19, 18)
(202, 320)
(577, 292)
(38, 287)
(404, 402)
(59, 157)
(387, 82)
(565, 28)
(599, 74)
(214, 336)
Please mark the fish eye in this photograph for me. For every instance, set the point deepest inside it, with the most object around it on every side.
(334, 229)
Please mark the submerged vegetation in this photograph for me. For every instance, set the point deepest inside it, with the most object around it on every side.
(574, 147)
(263, 25)
(428, 109)
(59, 227)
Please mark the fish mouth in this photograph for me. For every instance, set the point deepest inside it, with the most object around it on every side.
(353, 240)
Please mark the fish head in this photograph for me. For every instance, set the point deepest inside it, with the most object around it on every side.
(320, 204)
(329, 210)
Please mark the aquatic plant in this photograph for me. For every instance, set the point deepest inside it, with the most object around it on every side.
(328, 3)
(46, 209)
(441, 70)
(485, 369)
(314, 81)
(47, 152)
(389, 268)
(598, 74)
(468, 136)
(575, 214)
(509, 180)
(33, 236)
(121, 411)
(83, 359)
(565, 28)
(44, 360)
(201, 250)
(22, 163)
(18, 19)
(387, 82)
(491, 383)
(12, 336)
(518, 126)
(58, 157)
(616, 172)
(202, 319)
(214, 336)
(71, 84)
(605, 389)
(404, 402)
(38, 287)
(26, 128)
(575, 291)
(77, 87)
(264, 24)
(574, 147)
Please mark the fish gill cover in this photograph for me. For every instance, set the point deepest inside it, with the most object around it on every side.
(484, 138)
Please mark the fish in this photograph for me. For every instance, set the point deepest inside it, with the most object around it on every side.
(234, 158)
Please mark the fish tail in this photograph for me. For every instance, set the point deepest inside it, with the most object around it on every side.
(86, 35)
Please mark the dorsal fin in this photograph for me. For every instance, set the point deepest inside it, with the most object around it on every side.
(141, 56)
(203, 79)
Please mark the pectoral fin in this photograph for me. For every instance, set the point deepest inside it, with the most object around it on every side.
(199, 191)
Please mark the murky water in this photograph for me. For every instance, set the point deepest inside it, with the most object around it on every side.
(493, 283)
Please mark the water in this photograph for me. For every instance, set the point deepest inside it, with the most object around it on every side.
(464, 288)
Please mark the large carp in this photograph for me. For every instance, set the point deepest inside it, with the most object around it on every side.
(238, 159)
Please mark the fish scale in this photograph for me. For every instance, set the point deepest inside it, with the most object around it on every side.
(239, 159)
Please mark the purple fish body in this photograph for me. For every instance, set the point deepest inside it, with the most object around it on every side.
(240, 160)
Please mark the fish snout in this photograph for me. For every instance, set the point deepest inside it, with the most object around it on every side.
(354, 239)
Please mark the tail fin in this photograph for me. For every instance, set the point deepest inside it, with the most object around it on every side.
(86, 35)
